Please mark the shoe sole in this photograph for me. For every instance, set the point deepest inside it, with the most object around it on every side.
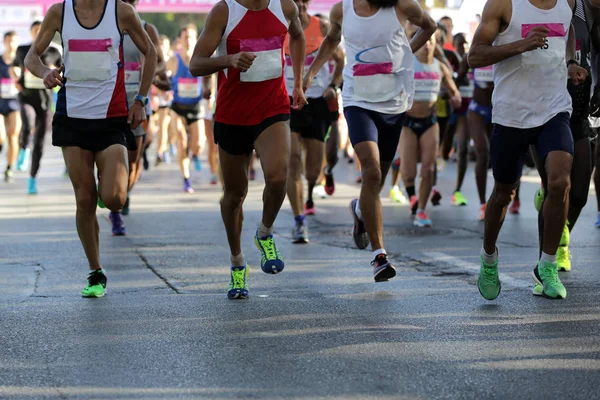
(539, 282)
(95, 296)
(385, 274)
(359, 238)
(300, 241)
(238, 296)
(499, 291)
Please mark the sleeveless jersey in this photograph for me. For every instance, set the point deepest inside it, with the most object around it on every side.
(94, 77)
(531, 88)
(428, 81)
(378, 75)
(248, 98)
(187, 89)
(8, 90)
(134, 60)
(583, 55)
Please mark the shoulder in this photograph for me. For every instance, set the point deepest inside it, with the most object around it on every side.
(125, 11)
(219, 12)
(289, 8)
(55, 11)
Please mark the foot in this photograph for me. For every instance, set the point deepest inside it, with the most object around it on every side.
(565, 239)
(383, 271)
(458, 200)
(319, 191)
(238, 286)
(271, 261)
(96, 286)
(329, 183)
(489, 281)
(187, 186)
(8, 177)
(145, 162)
(515, 207)
(22, 159)
(482, 209)
(300, 233)
(118, 228)
(545, 274)
(361, 238)
(159, 160)
(538, 199)
(436, 197)
(397, 196)
(252, 175)
(197, 164)
(309, 208)
(214, 179)
(422, 220)
(563, 258)
(125, 210)
(31, 186)
(414, 204)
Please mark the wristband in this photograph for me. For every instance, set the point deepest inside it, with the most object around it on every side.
(334, 87)
(571, 61)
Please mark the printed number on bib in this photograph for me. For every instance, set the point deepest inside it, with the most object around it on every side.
(268, 63)
(552, 52)
(374, 83)
(91, 60)
(133, 74)
(33, 82)
(188, 88)
(485, 74)
(427, 86)
(8, 90)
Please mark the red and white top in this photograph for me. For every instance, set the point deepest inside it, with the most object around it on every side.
(248, 98)
(94, 86)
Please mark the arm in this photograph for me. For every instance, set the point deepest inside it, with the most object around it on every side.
(202, 62)
(297, 41)
(441, 56)
(415, 14)
(33, 62)
(154, 38)
(329, 45)
(462, 69)
(339, 56)
(448, 83)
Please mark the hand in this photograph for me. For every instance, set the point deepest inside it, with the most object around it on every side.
(536, 38)
(329, 94)
(162, 84)
(137, 114)
(299, 99)
(242, 61)
(19, 87)
(206, 94)
(595, 103)
(577, 74)
(456, 101)
(52, 78)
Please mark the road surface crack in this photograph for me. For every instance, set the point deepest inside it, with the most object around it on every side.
(155, 272)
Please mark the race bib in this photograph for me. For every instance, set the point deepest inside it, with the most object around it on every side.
(289, 68)
(552, 52)
(188, 88)
(466, 92)
(133, 73)
(374, 83)
(268, 63)
(427, 86)
(32, 81)
(8, 90)
(485, 74)
(91, 60)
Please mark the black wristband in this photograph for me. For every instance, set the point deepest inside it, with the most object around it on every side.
(571, 61)
(332, 85)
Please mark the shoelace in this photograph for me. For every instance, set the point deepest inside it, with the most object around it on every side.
(549, 275)
(376, 263)
(490, 276)
(238, 278)
(269, 246)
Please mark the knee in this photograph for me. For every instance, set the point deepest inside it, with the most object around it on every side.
(559, 186)
(371, 174)
(426, 171)
(234, 198)
(276, 178)
(115, 201)
(86, 201)
(503, 195)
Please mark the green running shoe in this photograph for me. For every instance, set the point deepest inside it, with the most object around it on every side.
(565, 239)
(100, 203)
(537, 290)
(459, 200)
(238, 286)
(546, 275)
(96, 286)
(489, 282)
(271, 261)
(538, 199)
(563, 258)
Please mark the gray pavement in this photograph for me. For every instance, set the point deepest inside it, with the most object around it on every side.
(321, 329)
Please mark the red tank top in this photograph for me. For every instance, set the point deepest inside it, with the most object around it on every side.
(251, 97)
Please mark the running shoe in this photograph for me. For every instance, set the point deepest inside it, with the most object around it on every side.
(252, 175)
(458, 200)
(538, 199)
(22, 159)
(545, 274)
(361, 238)
(319, 191)
(515, 207)
(187, 186)
(300, 233)
(383, 271)
(598, 221)
(271, 261)
(414, 204)
(482, 209)
(96, 286)
(8, 177)
(309, 208)
(31, 186)
(238, 286)
(565, 239)
(173, 151)
(159, 160)
(329, 183)
(489, 281)
(397, 196)
(436, 197)
(422, 220)
(563, 258)
(125, 210)
(118, 228)
(214, 179)
(145, 162)
(197, 164)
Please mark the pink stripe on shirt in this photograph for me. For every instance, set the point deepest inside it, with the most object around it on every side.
(85, 45)
(372, 69)
(556, 29)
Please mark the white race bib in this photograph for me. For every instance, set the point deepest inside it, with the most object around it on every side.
(91, 60)
(427, 86)
(552, 53)
(188, 88)
(485, 74)
(8, 90)
(466, 92)
(33, 82)
(268, 62)
(374, 83)
(133, 73)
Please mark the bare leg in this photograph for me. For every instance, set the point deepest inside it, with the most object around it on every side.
(113, 169)
(135, 163)
(408, 155)
(556, 204)
(463, 151)
(178, 126)
(13, 128)
(315, 150)
(478, 131)
(428, 143)
(495, 213)
(295, 188)
(213, 151)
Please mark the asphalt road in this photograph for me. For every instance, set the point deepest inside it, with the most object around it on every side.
(321, 329)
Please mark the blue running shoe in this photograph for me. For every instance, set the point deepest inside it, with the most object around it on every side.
(23, 159)
(238, 286)
(125, 210)
(118, 228)
(271, 261)
(187, 186)
(31, 186)
(598, 221)
(197, 164)
(383, 271)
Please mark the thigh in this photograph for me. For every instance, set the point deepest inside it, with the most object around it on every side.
(273, 148)
(555, 136)
(389, 127)
(234, 170)
(113, 166)
(194, 130)
(477, 128)
(408, 149)
(508, 149)
(361, 126)
(428, 143)
(80, 165)
(13, 123)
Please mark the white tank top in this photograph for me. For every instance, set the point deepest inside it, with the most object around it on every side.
(531, 88)
(94, 69)
(378, 75)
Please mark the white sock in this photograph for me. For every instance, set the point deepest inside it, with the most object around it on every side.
(378, 252)
(238, 261)
(489, 259)
(419, 210)
(263, 231)
(357, 209)
(548, 258)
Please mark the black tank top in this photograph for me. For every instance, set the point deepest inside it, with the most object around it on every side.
(4, 68)
(581, 94)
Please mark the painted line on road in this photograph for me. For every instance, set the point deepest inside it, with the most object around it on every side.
(472, 267)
